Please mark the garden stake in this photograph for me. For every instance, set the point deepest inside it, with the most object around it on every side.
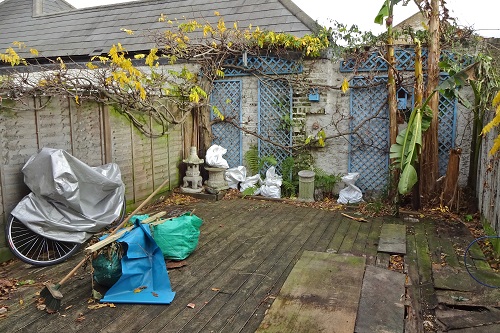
(51, 295)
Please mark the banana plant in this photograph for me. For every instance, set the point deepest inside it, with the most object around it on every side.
(408, 146)
(406, 151)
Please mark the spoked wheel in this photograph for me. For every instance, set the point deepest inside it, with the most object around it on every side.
(38, 250)
(35, 249)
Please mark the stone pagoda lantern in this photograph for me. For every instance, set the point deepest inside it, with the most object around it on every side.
(192, 180)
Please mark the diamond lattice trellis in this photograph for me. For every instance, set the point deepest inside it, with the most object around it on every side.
(405, 61)
(369, 143)
(275, 106)
(446, 131)
(226, 96)
(264, 65)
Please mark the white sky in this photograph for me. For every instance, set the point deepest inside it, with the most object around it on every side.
(482, 15)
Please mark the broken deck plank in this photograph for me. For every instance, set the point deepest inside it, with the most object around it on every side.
(452, 319)
(381, 308)
(393, 239)
(482, 297)
(321, 294)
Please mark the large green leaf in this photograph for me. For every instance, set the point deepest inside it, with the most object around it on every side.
(406, 150)
(383, 12)
(408, 179)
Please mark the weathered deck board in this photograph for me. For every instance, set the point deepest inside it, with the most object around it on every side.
(259, 271)
(440, 245)
(235, 281)
(361, 242)
(264, 295)
(414, 323)
(381, 307)
(246, 251)
(350, 237)
(372, 241)
(339, 235)
(222, 252)
(321, 294)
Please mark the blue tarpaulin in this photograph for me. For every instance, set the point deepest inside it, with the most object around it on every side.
(144, 277)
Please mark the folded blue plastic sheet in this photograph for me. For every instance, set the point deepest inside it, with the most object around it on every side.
(144, 277)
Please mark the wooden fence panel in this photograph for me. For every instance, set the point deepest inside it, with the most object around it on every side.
(90, 132)
(87, 137)
(121, 150)
(489, 182)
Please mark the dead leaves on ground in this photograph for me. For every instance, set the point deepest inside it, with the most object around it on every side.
(396, 263)
(100, 306)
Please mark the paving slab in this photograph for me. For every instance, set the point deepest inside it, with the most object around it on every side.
(321, 294)
(393, 239)
(381, 307)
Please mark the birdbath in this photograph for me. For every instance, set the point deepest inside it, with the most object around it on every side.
(192, 180)
(216, 178)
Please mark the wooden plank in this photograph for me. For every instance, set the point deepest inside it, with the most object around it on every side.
(272, 273)
(321, 294)
(250, 268)
(339, 236)
(414, 323)
(486, 297)
(452, 278)
(358, 248)
(350, 237)
(392, 239)
(479, 329)
(452, 319)
(234, 240)
(244, 276)
(266, 270)
(372, 241)
(108, 240)
(381, 307)
(326, 237)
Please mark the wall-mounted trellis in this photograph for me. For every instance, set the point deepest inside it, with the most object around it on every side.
(262, 65)
(226, 96)
(405, 61)
(369, 146)
(447, 130)
(275, 107)
(369, 143)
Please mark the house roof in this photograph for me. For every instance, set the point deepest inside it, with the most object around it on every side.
(61, 30)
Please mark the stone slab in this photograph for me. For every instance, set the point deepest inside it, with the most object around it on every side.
(392, 239)
(381, 308)
(321, 294)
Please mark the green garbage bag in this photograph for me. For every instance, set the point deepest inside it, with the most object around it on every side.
(178, 238)
(107, 268)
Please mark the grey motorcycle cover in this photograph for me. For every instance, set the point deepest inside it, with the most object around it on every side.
(69, 200)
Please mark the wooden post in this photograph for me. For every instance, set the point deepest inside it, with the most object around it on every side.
(449, 195)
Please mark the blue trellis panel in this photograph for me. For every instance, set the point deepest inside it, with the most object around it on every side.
(446, 130)
(369, 124)
(226, 96)
(275, 106)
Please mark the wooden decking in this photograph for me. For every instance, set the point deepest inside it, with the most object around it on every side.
(246, 251)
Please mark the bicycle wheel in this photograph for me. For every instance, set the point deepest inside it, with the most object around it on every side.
(35, 249)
